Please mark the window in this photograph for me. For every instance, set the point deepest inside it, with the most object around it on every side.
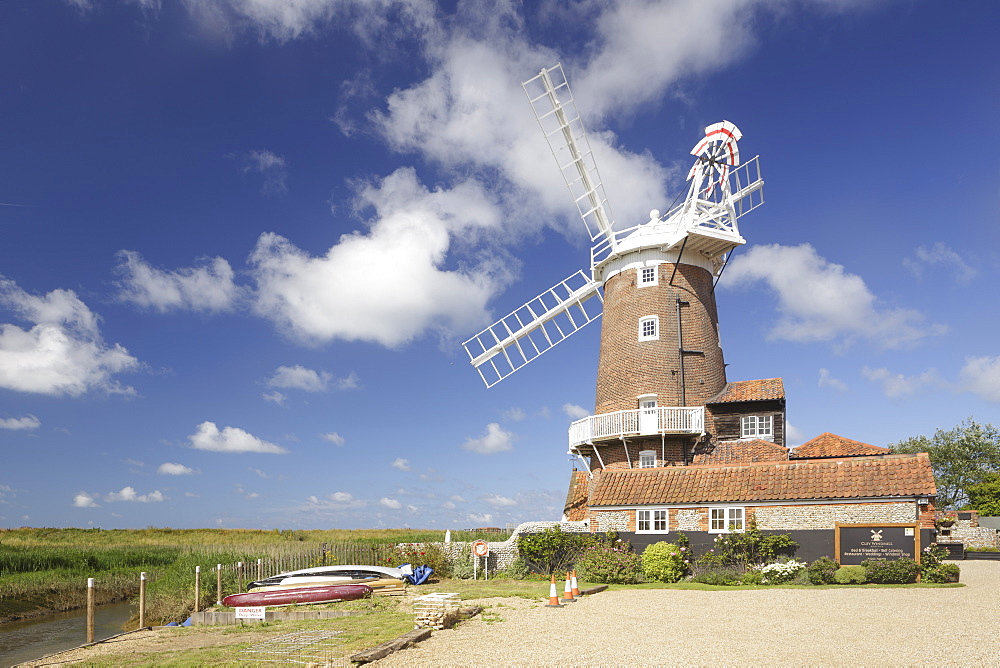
(651, 521)
(649, 328)
(647, 459)
(646, 276)
(757, 426)
(725, 520)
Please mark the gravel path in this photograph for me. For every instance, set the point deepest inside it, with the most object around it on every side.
(828, 627)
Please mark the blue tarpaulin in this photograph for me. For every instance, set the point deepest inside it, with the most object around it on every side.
(419, 575)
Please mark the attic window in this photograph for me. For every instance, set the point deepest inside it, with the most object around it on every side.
(649, 328)
(647, 459)
(757, 426)
(646, 276)
(725, 519)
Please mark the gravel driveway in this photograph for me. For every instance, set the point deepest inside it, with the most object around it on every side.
(830, 627)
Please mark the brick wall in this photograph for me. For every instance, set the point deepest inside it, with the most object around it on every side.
(674, 447)
(628, 368)
(827, 516)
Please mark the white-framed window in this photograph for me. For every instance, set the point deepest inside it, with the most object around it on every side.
(646, 276)
(726, 519)
(647, 459)
(757, 426)
(649, 328)
(651, 521)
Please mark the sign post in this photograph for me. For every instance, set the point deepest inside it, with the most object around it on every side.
(855, 543)
(481, 549)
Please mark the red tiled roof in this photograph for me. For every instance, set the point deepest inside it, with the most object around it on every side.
(742, 452)
(750, 390)
(878, 477)
(576, 499)
(831, 445)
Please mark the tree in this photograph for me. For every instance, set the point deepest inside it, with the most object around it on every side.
(985, 496)
(960, 458)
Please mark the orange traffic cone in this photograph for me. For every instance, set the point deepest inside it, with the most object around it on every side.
(553, 595)
(568, 590)
(576, 590)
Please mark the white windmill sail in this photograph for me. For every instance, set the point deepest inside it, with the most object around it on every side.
(552, 102)
(527, 332)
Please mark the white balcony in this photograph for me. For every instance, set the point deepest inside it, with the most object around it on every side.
(638, 422)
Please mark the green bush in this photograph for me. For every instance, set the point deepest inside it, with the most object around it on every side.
(553, 550)
(781, 572)
(849, 575)
(665, 562)
(891, 571)
(420, 554)
(822, 570)
(752, 578)
(610, 563)
(753, 547)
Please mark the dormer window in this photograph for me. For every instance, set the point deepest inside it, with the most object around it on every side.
(757, 426)
(649, 328)
(646, 276)
(647, 459)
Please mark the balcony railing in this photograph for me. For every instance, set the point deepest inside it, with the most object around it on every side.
(639, 422)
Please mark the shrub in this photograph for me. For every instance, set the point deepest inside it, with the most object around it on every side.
(753, 547)
(420, 554)
(891, 571)
(849, 575)
(752, 578)
(822, 570)
(610, 563)
(665, 562)
(781, 573)
(553, 550)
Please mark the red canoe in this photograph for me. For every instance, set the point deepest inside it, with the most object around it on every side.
(301, 595)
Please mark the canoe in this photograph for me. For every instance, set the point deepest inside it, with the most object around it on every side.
(299, 595)
(374, 583)
(331, 574)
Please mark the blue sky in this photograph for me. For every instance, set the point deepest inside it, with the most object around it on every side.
(242, 241)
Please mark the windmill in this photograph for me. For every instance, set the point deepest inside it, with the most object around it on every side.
(655, 282)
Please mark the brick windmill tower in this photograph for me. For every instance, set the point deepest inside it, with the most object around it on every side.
(660, 358)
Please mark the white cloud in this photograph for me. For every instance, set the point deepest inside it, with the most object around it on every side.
(514, 414)
(387, 286)
(62, 353)
(449, 505)
(207, 287)
(498, 501)
(26, 422)
(401, 464)
(390, 503)
(575, 412)
(826, 379)
(334, 438)
(940, 254)
(479, 518)
(276, 397)
(271, 166)
(84, 500)
(793, 435)
(230, 439)
(342, 497)
(981, 376)
(334, 502)
(897, 384)
(819, 301)
(299, 377)
(495, 440)
(129, 494)
(169, 468)
(261, 474)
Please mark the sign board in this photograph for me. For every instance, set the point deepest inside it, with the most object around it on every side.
(857, 542)
(481, 548)
(254, 612)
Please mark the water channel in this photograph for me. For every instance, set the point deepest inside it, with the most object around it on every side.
(34, 638)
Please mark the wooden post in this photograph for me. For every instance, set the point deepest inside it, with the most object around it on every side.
(260, 569)
(90, 609)
(197, 588)
(142, 600)
(218, 584)
(239, 576)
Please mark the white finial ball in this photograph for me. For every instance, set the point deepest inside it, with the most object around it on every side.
(654, 214)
